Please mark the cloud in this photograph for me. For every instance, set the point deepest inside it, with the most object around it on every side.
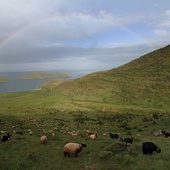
(164, 21)
(79, 35)
(70, 58)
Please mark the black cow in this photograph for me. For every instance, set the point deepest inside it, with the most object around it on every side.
(6, 138)
(149, 147)
(114, 136)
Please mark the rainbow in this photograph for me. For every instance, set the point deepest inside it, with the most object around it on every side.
(81, 16)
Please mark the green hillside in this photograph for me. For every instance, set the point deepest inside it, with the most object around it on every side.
(143, 82)
(132, 100)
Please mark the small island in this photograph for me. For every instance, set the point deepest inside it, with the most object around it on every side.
(43, 75)
(2, 79)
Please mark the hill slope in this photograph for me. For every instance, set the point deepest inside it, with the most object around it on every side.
(143, 82)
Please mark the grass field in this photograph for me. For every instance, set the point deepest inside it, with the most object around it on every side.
(26, 151)
(132, 100)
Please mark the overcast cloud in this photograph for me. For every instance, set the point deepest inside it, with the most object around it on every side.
(87, 35)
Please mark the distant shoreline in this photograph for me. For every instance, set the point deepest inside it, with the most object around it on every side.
(18, 85)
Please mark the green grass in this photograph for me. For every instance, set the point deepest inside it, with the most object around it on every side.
(132, 99)
(25, 151)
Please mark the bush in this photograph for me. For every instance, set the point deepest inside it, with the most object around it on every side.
(119, 146)
(128, 160)
(105, 154)
(140, 130)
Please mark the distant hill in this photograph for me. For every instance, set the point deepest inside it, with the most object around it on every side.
(42, 75)
(142, 82)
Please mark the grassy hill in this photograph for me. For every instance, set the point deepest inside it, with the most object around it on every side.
(42, 75)
(143, 82)
(132, 100)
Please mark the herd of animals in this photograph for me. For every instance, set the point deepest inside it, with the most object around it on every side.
(72, 148)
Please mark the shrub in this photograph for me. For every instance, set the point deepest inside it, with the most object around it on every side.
(119, 146)
(105, 154)
(128, 160)
(140, 130)
(155, 115)
(129, 133)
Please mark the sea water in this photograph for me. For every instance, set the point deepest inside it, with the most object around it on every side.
(15, 84)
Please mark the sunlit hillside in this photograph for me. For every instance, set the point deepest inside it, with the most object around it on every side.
(144, 82)
(132, 100)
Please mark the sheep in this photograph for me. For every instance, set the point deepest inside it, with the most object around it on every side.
(149, 147)
(43, 139)
(88, 132)
(93, 136)
(73, 148)
(20, 133)
(30, 133)
(126, 140)
(6, 138)
(114, 136)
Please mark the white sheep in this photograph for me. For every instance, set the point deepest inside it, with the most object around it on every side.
(93, 136)
(43, 139)
(30, 133)
(73, 148)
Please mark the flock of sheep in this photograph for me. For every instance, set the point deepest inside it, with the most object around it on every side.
(72, 148)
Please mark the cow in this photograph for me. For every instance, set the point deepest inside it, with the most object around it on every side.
(149, 147)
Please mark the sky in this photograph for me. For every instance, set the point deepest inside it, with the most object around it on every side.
(79, 35)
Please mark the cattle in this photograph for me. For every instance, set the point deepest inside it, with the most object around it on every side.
(126, 140)
(6, 138)
(114, 136)
(149, 147)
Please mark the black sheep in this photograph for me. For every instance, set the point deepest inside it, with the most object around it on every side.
(20, 133)
(126, 140)
(149, 147)
(6, 138)
(114, 136)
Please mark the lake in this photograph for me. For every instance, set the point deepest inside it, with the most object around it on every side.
(16, 85)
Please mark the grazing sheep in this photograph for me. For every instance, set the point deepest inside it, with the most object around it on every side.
(93, 136)
(149, 147)
(126, 140)
(165, 133)
(114, 136)
(2, 132)
(20, 133)
(29, 130)
(88, 132)
(43, 139)
(6, 138)
(73, 148)
(30, 133)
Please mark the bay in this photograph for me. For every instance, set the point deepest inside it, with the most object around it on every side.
(17, 85)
